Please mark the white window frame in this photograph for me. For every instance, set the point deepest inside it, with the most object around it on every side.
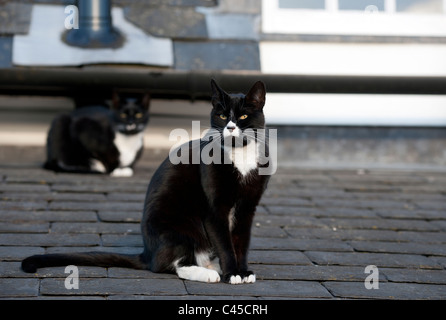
(333, 21)
(356, 110)
(346, 59)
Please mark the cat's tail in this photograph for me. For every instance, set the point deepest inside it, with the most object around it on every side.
(99, 259)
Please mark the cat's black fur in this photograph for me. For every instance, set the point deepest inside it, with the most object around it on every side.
(188, 210)
(88, 134)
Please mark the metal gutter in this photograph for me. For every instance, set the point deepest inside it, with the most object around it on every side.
(196, 84)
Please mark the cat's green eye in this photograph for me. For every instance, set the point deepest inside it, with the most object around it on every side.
(222, 116)
(243, 117)
(138, 115)
(123, 115)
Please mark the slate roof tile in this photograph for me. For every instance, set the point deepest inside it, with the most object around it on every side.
(216, 55)
(15, 18)
(165, 21)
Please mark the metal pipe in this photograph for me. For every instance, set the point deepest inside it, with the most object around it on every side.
(95, 26)
(196, 84)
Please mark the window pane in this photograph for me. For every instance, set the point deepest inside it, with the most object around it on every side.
(360, 4)
(302, 4)
(419, 6)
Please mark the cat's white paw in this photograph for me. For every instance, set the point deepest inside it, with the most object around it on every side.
(213, 276)
(239, 279)
(249, 279)
(97, 166)
(196, 273)
(235, 280)
(122, 172)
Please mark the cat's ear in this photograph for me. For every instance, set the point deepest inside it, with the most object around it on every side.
(256, 95)
(115, 100)
(146, 101)
(218, 94)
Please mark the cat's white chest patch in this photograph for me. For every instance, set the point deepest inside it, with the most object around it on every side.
(128, 146)
(244, 159)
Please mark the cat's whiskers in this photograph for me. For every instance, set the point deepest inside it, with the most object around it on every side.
(259, 138)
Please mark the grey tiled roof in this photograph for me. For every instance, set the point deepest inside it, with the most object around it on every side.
(216, 55)
(166, 21)
(315, 232)
(206, 34)
(14, 18)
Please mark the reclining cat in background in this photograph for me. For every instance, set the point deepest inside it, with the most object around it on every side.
(96, 139)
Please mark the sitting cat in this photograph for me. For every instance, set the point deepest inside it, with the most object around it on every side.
(96, 139)
(197, 217)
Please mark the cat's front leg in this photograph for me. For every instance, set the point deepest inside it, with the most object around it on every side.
(231, 249)
(241, 236)
(217, 229)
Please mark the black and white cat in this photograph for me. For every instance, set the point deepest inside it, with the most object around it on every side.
(96, 139)
(197, 217)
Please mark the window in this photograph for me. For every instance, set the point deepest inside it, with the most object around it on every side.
(423, 56)
(419, 6)
(361, 5)
(407, 6)
(302, 4)
(355, 17)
